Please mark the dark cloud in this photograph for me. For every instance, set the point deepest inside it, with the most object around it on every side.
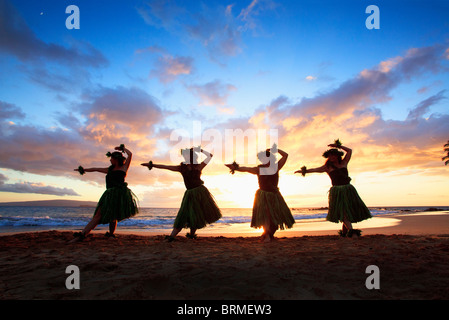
(423, 107)
(17, 39)
(372, 86)
(416, 131)
(38, 150)
(50, 65)
(369, 88)
(118, 113)
(107, 118)
(39, 188)
(9, 111)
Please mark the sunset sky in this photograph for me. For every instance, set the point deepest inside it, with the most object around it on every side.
(144, 73)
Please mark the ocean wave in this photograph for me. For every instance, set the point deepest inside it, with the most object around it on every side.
(41, 222)
(153, 218)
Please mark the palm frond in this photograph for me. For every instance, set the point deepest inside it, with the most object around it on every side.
(446, 149)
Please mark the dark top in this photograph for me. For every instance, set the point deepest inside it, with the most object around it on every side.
(192, 178)
(339, 176)
(115, 178)
(268, 182)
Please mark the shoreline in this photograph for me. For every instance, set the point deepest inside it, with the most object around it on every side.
(418, 223)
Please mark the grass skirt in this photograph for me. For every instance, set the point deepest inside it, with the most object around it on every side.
(345, 201)
(198, 208)
(117, 204)
(271, 208)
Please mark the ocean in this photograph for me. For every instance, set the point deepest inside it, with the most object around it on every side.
(26, 218)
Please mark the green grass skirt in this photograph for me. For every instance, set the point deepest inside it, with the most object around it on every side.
(271, 208)
(345, 201)
(117, 204)
(198, 208)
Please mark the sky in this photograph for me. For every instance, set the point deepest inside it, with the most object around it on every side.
(161, 75)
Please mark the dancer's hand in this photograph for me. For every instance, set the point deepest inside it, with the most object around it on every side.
(303, 171)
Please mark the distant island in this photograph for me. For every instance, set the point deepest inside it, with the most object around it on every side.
(50, 203)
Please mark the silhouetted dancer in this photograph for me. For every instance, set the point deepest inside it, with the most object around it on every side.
(270, 210)
(345, 204)
(117, 202)
(198, 206)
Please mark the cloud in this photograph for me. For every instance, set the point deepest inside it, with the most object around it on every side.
(351, 112)
(106, 118)
(39, 150)
(225, 110)
(217, 29)
(433, 85)
(371, 86)
(29, 187)
(414, 133)
(113, 114)
(248, 15)
(10, 111)
(213, 93)
(17, 39)
(162, 14)
(39, 58)
(424, 106)
(169, 68)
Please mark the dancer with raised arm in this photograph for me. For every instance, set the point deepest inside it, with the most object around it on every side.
(198, 206)
(270, 210)
(117, 202)
(345, 204)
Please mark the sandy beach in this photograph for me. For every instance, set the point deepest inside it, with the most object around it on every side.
(311, 262)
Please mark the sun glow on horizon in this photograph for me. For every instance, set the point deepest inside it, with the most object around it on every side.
(233, 191)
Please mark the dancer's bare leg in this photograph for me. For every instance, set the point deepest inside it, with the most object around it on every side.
(89, 227)
(192, 232)
(93, 223)
(175, 232)
(348, 225)
(112, 227)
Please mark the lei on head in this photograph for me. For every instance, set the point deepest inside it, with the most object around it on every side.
(121, 148)
(335, 151)
(338, 143)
